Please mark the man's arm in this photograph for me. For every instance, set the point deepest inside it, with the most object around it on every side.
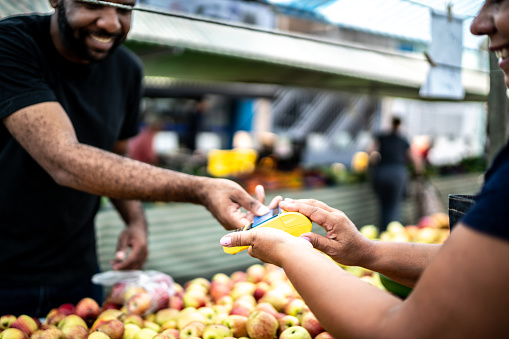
(46, 132)
(134, 236)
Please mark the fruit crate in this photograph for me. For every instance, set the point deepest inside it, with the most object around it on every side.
(458, 206)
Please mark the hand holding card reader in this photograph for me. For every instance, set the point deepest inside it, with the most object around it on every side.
(293, 223)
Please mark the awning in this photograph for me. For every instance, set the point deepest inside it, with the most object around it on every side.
(191, 48)
(198, 49)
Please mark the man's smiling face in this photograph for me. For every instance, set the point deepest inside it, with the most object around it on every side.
(91, 32)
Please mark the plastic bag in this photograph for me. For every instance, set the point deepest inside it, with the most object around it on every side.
(141, 292)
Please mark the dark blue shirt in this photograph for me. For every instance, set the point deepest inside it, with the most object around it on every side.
(490, 213)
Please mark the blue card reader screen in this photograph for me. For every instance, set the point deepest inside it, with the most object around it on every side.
(258, 220)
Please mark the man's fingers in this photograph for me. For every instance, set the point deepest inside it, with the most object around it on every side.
(237, 239)
(260, 193)
(314, 213)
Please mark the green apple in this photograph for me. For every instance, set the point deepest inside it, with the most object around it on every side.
(295, 332)
(98, 335)
(287, 321)
(13, 333)
(189, 316)
(294, 306)
(216, 331)
(192, 329)
(6, 320)
(166, 314)
(130, 330)
(72, 319)
(370, 231)
(153, 325)
(74, 331)
(145, 333)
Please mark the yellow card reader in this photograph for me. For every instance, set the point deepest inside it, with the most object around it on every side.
(294, 223)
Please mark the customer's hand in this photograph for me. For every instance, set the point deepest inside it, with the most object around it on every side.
(270, 245)
(343, 242)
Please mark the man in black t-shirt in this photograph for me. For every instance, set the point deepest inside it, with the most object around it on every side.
(69, 100)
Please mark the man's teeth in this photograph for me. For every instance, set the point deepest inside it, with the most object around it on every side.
(502, 53)
(101, 39)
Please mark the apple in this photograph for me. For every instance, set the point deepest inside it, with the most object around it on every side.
(166, 314)
(114, 328)
(219, 289)
(295, 332)
(324, 335)
(209, 313)
(108, 304)
(222, 278)
(241, 288)
(237, 324)
(226, 300)
(139, 303)
(194, 298)
(98, 335)
(188, 316)
(54, 333)
(66, 309)
(88, 309)
(267, 307)
(112, 313)
(74, 331)
(198, 281)
(261, 325)
(169, 324)
(13, 333)
(145, 333)
(242, 308)
(311, 324)
(130, 330)
(163, 336)
(192, 329)
(25, 323)
(294, 306)
(72, 319)
(261, 288)
(216, 331)
(133, 319)
(276, 298)
(287, 321)
(151, 324)
(370, 231)
(176, 302)
(238, 276)
(255, 273)
(6, 320)
(172, 332)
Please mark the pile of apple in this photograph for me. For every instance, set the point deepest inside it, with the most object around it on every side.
(258, 303)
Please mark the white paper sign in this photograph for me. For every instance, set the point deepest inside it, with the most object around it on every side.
(446, 50)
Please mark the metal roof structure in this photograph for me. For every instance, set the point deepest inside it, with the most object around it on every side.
(196, 48)
(404, 19)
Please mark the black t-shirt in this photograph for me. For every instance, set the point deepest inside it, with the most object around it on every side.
(393, 149)
(46, 230)
(490, 213)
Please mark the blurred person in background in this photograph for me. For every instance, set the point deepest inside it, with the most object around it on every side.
(69, 101)
(141, 147)
(459, 287)
(389, 172)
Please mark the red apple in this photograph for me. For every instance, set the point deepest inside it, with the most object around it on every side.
(237, 324)
(25, 323)
(139, 303)
(74, 332)
(261, 288)
(267, 307)
(114, 328)
(255, 273)
(219, 289)
(311, 324)
(88, 309)
(261, 325)
(324, 335)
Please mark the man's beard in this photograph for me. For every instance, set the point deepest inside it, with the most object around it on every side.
(77, 45)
